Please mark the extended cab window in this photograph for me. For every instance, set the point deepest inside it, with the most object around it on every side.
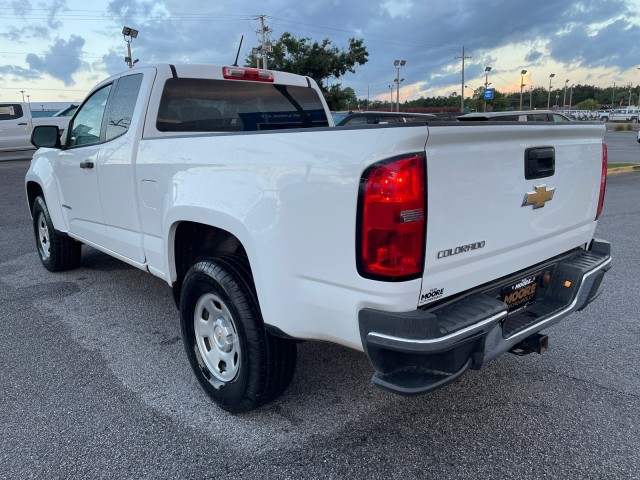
(10, 112)
(201, 105)
(537, 117)
(88, 122)
(121, 105)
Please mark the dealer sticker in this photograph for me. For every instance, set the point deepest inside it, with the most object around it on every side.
(431, 296)
(521, 293)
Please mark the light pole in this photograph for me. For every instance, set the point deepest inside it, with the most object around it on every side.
(557, 95)
(131, 33)
(398, 64)
(391, 98)
(22, 92)
(530, 97)
(564, 100)
(571, 95)
(549, 96)
(29, 99)
(638, 90)
(522, 74)
(398, 82)
(613, 95)
(486, 84)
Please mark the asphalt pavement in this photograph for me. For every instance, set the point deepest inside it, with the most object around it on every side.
(94, 383)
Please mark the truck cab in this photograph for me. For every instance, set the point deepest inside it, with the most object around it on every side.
(15, 128)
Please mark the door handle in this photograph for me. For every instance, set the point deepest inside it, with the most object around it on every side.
(539, 162)
(86, 164)
(22, 123)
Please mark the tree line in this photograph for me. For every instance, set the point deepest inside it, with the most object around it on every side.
(581, 97)
(324, 62)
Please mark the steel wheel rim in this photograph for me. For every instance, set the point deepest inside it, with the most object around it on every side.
(44, 242)
(217, 337)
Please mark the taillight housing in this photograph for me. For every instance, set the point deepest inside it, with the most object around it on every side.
(603, 179)
(252, 74)
(391, 219)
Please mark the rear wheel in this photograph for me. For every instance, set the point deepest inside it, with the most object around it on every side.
(238, 363)
(57, 251)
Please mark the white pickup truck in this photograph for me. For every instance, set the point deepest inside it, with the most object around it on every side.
(629, 114)
(16, 124)
(432, 248)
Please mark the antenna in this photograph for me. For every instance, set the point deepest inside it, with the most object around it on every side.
(235, 64)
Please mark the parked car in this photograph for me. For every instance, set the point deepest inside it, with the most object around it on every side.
(629, 114)
(516, 116)
(339, 116)
(67, 111)
(16, 124)
(374, 118)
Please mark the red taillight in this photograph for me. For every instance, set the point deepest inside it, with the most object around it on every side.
(392, 219)
(253, 74)
(603, 179)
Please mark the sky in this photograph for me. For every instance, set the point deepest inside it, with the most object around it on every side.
(57, 50)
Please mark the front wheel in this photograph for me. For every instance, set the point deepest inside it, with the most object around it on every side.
(57, 251)
(238, 363)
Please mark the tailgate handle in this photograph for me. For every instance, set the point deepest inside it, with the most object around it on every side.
(539, 162)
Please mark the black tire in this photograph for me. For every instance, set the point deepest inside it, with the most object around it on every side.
(57, 252)
(238, 363)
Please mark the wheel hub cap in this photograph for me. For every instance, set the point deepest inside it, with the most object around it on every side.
(43, 237)
(217, 337)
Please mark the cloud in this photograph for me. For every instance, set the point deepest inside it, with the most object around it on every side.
(395, 8)
(19, 73)
(61, 61)
(173, 32)
(533, 56)
(615, 45)
(19, 35)
(21, 7)
(54, 9)
(26, 29)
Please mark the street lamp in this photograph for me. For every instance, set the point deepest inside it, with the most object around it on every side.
(549, 96)
(564, 100)
(486, 84)
(131, 33)
(557, 95)
(522, 73)
(391, 97)
(398, 64)
(398, 82)
(22, 92)
(29, 99)
(571, 95)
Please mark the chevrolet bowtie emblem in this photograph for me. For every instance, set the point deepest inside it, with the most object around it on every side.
(538, 198)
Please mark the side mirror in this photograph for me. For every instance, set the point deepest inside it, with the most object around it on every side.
(45, 136)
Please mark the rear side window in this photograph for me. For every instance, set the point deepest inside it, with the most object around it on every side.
(359, 120)
(389, 119)
(506, 118)
(121, 105)
(10, 111)
(201, 105)
(537, 117)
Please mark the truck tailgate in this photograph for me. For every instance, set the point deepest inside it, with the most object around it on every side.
(488, 217)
